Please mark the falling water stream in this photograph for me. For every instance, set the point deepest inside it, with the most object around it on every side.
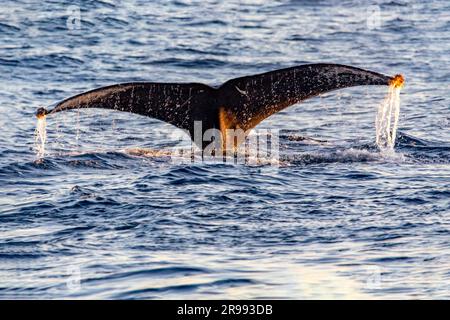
(386, 121)
(40, 137)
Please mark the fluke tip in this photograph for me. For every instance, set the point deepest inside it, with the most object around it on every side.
(397, 81)
(41, 113)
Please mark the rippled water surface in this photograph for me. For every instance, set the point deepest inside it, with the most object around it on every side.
(337, 219)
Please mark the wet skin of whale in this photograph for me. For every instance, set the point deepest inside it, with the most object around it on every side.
(238, 104)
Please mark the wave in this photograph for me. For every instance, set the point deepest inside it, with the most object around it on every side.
(295, 151)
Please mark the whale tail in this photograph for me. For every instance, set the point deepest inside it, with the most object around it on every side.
(239, 103)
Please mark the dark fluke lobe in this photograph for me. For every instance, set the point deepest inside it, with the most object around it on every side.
(239, 103)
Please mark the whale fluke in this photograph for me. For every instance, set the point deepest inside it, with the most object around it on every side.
(239, 103)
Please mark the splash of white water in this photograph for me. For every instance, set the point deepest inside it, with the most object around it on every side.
(40, 137)
(386, 121)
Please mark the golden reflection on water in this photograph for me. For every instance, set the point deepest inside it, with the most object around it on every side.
(277, 279)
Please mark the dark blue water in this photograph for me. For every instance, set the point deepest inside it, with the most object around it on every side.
(339, 219)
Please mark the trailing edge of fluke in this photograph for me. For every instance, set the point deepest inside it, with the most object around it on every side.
(239, 103)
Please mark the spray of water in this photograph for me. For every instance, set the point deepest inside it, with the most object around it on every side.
(386, 121)
(40, 137)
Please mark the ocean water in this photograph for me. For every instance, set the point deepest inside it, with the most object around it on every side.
(105, 215)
